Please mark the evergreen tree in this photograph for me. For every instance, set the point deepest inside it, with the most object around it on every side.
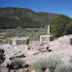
(62, 25)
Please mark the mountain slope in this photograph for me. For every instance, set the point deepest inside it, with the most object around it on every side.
(23, 17)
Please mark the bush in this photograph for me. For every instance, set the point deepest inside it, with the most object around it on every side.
(60, 68)
(2, 56)
(50, 63)
(62, 25)
(53, 62)
(64, 68)
(70, 60)
(41, 65)
(16, 64)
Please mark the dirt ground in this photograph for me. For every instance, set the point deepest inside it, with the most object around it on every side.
(60, 47)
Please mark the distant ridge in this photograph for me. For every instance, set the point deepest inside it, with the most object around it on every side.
(11, 17)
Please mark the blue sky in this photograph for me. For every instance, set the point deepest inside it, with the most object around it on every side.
(51, 6)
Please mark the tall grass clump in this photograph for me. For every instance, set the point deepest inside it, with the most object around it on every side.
(41, 65)
(70, 59)
(50, 63)
(16, 64)
(53, 62)
(64, 68)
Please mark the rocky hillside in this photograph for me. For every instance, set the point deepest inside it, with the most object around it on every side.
(22, 17)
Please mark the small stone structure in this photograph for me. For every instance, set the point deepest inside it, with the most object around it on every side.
(16, 41)
(48, 37)
(20, 43)
(45, 39)
(49, 30)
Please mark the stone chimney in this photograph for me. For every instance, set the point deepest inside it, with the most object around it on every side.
(49, 30)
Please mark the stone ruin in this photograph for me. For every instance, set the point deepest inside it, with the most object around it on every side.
(45, 39)
(21, 45)
(48, 37)
(20, 41)
(25, 45)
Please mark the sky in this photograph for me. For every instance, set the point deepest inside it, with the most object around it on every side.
(50, 6)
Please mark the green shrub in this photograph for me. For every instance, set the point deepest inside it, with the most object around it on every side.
(53, 62)
(16, 64)
(70, 59)
(64, 68)
(50, 63)
(41, 65)
(61, 25)
(2, 56)
(60, 68)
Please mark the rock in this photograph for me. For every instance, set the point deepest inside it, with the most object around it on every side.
(47, 70)
(17, 56)
(33, 71)
(3, 69)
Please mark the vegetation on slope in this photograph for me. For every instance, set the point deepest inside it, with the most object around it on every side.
(17, 19)
(24, 18)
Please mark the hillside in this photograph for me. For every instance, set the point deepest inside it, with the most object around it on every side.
(22, 17)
